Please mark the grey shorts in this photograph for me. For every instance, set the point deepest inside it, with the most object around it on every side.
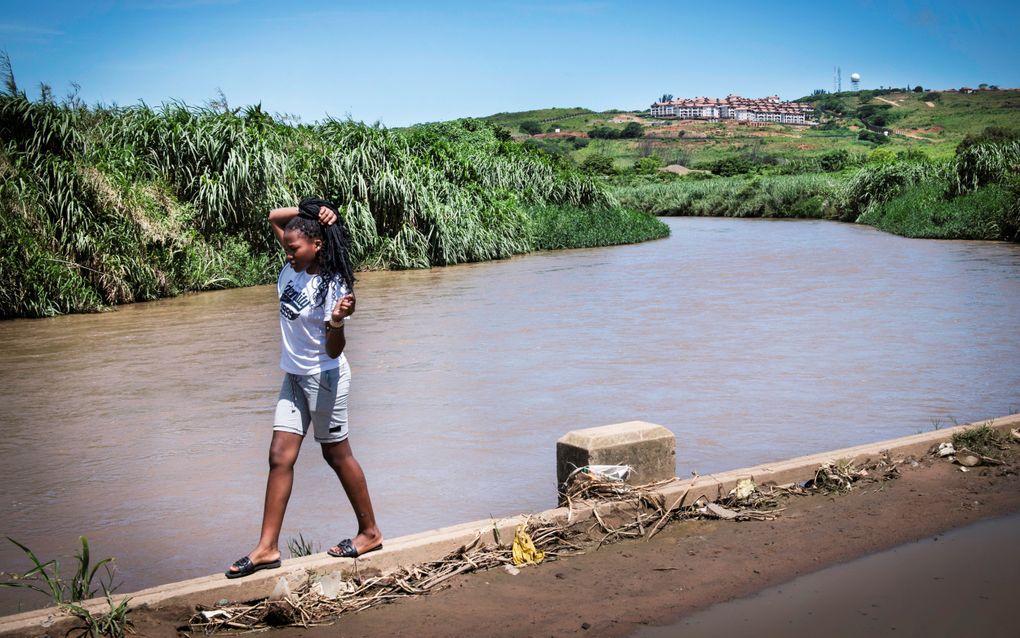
(319, 399)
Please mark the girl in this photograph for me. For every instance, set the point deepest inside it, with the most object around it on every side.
(316, 297)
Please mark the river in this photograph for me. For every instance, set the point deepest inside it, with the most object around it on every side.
(146, 429)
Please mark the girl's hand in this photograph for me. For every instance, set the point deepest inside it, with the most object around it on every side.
(343, 308)
(326, 216)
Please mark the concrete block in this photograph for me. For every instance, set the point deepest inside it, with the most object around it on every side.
(648, 448)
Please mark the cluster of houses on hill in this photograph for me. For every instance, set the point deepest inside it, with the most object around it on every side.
(734, 107)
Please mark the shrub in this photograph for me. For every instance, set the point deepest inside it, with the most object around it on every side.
(531, 127)
(597, 163)
(835, 160)
(632, 130)
(991, 135)
(925, 211)
(733, 165)
(648, 165)
(873, 137)
(604, 133)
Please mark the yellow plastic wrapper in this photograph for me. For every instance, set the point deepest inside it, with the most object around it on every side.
(524, 551)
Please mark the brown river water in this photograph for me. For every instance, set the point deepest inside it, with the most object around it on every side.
(146, 429)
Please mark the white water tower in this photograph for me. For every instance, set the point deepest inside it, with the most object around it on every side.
(855, 80)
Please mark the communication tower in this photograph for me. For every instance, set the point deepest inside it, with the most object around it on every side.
(855, 81)
(837, 79)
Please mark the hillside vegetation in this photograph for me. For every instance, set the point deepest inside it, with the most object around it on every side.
(902, 161)
(104, 206)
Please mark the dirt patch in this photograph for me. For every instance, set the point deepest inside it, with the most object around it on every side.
(688, 566)
(805, 147)
(679, 169)
(561, 134)
(623, 118)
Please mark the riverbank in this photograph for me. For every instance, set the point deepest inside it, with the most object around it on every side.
(789, 535)
(695, 564)
(111, 205)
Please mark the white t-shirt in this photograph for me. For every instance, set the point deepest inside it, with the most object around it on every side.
(303, 324)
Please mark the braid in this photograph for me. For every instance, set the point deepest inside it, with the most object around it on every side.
(334, 257)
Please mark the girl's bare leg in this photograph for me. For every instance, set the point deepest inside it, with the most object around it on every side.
(347, 468)
(283, 453)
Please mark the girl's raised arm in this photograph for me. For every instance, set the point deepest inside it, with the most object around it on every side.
(278, 218)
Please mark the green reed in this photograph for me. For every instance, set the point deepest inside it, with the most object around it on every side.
(113, 205)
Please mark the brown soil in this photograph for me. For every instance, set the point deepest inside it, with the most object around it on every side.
(687, 567)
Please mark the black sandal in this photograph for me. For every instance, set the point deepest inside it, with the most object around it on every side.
(246, 568)
(347, 549)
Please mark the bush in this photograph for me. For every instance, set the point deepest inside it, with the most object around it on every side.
(877, 183)
(733, 165)
(873, 137)
(835, 160)
(556, 227)
(648, 165)
(918, 89)
(599, 164)
(991, 135)
(924, 211)
(531, 127)
(633, 130)
(604, 133)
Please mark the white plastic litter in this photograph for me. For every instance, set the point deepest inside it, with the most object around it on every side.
(946, 449)
(743, 489)
(281, 591)
(334, 585)
(611, 472)
(719, 511)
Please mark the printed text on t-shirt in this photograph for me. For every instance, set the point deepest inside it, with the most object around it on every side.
(292, 302)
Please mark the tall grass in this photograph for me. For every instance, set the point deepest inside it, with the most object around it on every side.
(976, 195)
(113, 205)
(738, 196)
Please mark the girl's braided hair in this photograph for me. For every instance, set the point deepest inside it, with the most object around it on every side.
(334, 257)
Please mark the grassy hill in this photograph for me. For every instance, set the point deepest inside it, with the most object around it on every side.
(912, 182)
(932, 123)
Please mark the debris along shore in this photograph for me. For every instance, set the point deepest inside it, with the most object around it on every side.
(640, 513)
(661, 525)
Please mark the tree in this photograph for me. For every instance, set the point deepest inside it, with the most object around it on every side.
(983, 85)
(666, 97)
(531, 127)
(918, 89)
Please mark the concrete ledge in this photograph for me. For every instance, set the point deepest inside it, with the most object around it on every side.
(435, 544)
(649, 449)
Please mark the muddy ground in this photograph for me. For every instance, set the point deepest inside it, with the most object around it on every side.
(687, 567)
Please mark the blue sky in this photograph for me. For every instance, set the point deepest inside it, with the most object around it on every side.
(407, 62)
